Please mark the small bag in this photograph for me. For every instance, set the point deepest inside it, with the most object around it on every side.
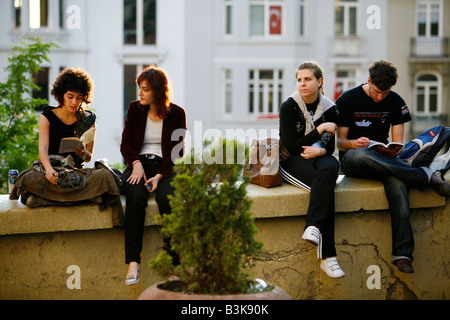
(264, 163)
(75, 179)
(68, 177)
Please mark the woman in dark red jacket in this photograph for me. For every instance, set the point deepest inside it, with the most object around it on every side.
(152, 138)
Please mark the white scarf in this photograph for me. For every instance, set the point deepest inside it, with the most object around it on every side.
(322, 107)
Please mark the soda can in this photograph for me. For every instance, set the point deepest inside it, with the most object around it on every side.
(13, 174)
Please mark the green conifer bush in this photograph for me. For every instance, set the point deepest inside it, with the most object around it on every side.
(211, 227)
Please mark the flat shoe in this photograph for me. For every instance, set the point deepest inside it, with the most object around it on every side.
(133, 278)
(441, 187)
(331, 267)
(404, 265)
(312, 235)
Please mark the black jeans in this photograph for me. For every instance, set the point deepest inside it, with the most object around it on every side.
(136, 204)
(320, 176)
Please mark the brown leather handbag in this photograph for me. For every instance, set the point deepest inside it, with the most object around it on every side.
(264, 163)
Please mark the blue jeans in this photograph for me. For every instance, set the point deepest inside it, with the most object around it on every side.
(397, 178)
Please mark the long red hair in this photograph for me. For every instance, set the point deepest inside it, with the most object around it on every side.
(160, 84)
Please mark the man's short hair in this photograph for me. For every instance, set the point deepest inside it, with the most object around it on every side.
(383, 74)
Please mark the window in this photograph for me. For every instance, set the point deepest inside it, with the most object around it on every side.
(38, 13)
(129, 85)
(345, 79)
(265, 92)
(301, 20)
(266, 17)
(429, 17)
(427, 94)
(228, 9)
(129, 22)
(17, 13)
(227, 91)
(41, 79)
(139, 22)
(346, 17)
(131, 89)
(62, 14)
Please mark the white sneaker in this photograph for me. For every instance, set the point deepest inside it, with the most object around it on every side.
(312, 235)
(331, 268)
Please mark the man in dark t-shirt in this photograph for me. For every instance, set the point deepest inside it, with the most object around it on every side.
(367, 113)
(366, 118)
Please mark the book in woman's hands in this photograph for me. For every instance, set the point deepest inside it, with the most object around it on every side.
(68, 145)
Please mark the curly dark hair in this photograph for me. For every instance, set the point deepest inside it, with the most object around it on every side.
(76, 80)
(383, 74)
(160, 84)
(73, 79)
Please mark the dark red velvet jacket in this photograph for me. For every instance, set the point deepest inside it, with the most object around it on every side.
(134, 131)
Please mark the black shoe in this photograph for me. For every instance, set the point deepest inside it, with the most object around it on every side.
(404, 265)
(441, 187)
(34, 201)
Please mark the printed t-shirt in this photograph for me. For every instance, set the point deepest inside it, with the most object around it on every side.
(367, 118)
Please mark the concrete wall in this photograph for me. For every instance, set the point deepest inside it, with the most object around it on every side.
(38, 245)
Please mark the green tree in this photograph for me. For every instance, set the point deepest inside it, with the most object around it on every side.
(18, 119)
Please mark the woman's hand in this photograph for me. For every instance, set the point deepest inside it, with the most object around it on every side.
(52, 175)
(81, 152)
(154, 181)
(137, 174)
(312, 152)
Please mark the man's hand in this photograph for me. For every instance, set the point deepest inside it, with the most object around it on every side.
(361, 142)
(389, 152)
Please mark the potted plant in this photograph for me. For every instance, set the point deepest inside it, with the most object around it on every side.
(211, 229)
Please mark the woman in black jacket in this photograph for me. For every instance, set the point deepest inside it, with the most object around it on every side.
(307, 128)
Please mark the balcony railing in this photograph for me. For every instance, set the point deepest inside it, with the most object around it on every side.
(430, 47)
(347, 46)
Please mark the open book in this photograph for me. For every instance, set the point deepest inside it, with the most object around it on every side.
(70, 144)
(390, 145)
(388, 150)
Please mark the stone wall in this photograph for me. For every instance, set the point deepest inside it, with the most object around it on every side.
(39, 247)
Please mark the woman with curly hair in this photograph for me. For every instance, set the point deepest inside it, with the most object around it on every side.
(147, 144)
(60, 178)
(73, 89)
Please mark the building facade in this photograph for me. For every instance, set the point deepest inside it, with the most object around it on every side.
(231, 62)
(419, 44)
(111, 40)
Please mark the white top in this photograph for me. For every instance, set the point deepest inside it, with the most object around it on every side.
(152, 138)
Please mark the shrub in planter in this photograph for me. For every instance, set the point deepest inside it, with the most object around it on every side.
(211, 227)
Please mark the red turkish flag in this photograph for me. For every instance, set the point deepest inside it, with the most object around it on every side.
(275, 19)
(337, 90)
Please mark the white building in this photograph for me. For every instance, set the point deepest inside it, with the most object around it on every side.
(421, 48)
(231, 62)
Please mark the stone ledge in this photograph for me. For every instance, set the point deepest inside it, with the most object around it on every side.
(352, 195)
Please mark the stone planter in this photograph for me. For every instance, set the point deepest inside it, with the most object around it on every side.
(154, 292)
